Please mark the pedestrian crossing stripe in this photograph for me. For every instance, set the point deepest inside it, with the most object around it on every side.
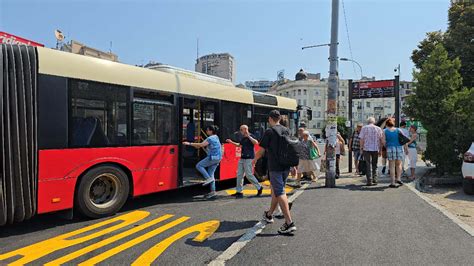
(253, 192)
(41, 249)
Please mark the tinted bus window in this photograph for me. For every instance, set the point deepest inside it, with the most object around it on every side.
(98, 114)
(233, 117)
(153, 118)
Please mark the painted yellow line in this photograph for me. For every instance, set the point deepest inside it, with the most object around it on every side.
(43, 248)
(111, 252)
(107, 241)
(252, 192)
(205, 230)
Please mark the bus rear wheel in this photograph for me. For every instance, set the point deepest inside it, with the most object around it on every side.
(102, 191)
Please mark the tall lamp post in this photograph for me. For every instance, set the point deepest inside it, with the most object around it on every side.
(361, 77)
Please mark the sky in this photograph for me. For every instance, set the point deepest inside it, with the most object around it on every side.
(263, 36)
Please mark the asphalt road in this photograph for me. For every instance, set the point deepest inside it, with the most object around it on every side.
(351, 224)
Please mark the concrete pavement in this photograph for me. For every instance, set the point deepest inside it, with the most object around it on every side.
(355, 224)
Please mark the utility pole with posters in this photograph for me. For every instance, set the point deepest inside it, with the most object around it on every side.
(333, 87)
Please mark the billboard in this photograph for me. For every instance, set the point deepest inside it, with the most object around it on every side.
(8, 38)
(373, 89)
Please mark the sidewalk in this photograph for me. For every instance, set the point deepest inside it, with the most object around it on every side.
(355, 224)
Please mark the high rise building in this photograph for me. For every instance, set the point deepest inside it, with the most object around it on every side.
(219, 65)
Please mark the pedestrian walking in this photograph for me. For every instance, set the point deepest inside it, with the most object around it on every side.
(404, 130)
(307, 161)
(340, 143)
(354, 146)
(246, 143)
(208, 165)
(371, 142)
(278, 173)
(412, 153)
(394, 152)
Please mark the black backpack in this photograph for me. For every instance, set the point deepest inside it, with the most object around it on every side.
(289, 149)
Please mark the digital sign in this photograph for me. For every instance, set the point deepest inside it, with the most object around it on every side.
(373, 89)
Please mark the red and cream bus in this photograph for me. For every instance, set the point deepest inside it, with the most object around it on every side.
(85, 133)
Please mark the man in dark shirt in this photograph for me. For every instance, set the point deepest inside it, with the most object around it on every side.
(277, 172)
(247, 143)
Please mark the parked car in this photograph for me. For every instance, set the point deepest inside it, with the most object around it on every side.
(468, 171)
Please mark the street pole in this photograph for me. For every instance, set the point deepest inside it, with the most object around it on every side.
(333, 86)
(352, 124)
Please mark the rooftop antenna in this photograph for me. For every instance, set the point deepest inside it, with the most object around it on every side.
(110, 49)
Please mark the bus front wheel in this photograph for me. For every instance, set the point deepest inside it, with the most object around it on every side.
(102, 191)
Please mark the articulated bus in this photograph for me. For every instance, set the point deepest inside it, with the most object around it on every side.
(84, 133)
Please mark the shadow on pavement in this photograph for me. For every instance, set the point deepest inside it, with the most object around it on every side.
(57, 219)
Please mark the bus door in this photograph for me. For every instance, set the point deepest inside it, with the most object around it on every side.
(196, 115)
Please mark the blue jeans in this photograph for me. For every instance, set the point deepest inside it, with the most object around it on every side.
(211, 166)
(245, 166)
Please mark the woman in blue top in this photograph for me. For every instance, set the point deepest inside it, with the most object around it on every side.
(394, 152)
(212, 160)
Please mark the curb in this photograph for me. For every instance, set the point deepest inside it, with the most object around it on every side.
(450, 216)
(251, 233)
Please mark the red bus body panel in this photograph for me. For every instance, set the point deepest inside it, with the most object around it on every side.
(229, 162)
(153, 168)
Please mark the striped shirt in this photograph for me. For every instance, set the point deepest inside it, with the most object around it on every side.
(371, 135)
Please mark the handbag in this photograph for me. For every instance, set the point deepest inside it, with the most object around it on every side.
(313, 153)
(402, 138)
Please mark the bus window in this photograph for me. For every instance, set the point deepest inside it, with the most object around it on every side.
(153, 118)
(98, 113)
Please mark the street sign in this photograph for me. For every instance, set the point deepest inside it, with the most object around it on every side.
(373, 89)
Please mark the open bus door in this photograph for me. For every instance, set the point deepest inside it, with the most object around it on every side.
(195, 116)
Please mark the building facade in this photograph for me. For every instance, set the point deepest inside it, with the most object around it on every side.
(76, 47)
(312, 93)
(219, 65)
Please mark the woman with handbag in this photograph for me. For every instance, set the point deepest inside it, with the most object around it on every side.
(394, 152)
(307, 163)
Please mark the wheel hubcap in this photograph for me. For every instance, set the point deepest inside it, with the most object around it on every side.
(104, 190)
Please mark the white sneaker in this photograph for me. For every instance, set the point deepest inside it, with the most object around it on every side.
(268, 218)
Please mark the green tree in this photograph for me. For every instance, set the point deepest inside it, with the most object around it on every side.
(426, 47)
(459, 39)
(437, 79)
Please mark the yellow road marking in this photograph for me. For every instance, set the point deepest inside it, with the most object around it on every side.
(43, 248)
(107, 241)
(111, 252)
(251, 192)
(205, 230)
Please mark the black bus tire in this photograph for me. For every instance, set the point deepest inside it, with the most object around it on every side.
(102, 191)
(468, 186)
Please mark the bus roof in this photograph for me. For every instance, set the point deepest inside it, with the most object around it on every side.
(58, 63)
